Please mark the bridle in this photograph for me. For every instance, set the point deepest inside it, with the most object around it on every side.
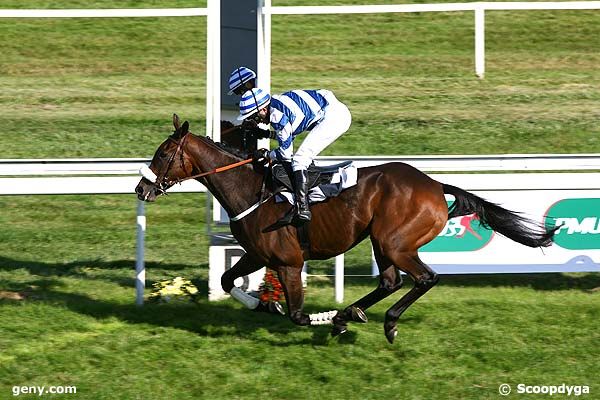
(162, 183)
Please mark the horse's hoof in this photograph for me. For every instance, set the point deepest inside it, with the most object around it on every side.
(276, 308)
(338, 330)
(391, 335)
(358, 315)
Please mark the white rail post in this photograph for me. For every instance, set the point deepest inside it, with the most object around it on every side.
(215, 16)
(339, 278)
(213, 82)
(263, 52)
(263, 48)
(209, 67)
(304, 274)
(374, 266)
(140, 269)
(479, 40)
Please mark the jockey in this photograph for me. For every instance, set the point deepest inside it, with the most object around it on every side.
(240, 80)
(317, 112)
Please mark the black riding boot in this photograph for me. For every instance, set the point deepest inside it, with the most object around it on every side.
(300, 186)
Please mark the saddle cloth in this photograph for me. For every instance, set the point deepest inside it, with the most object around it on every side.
(324, 182)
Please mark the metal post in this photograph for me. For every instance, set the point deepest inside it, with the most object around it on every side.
(263, 50)
(263, 47)
(339, 278)
(304, 274)
(140, 269)
(215, 26)
(210, 53)
(480, 41)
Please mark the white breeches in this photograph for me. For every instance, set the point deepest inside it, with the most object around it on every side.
(335, 122)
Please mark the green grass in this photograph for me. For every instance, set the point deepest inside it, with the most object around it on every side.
(72, 258)
(107, 88)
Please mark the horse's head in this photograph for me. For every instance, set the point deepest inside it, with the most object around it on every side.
(169, 165)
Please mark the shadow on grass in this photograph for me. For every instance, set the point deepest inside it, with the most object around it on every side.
(223, 319)
(210, 319)
(76, 269)
(215, 320)
(540, 281)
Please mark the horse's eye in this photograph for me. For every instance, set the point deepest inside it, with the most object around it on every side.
(162, 154)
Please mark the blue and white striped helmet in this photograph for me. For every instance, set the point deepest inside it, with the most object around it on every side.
(252, 101)
(238, 77)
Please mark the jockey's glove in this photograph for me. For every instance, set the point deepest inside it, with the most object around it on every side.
(261, 156)
(252, 127)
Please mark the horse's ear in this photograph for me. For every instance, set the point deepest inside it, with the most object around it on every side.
(176, 122)
(185, 128)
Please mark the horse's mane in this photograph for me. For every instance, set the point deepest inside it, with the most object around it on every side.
(229, 149)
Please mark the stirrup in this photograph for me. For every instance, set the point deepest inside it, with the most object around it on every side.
(304, 215)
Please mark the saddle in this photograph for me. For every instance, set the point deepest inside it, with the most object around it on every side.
(317, 176)
(321, 186)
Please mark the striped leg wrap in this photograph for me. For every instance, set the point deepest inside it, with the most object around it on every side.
(324, 318)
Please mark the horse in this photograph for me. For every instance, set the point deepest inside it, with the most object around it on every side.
(397, 206)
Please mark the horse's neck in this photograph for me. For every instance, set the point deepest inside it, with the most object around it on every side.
(235, 189)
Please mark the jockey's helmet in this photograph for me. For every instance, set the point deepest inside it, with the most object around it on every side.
(252, 101)
(238, 77)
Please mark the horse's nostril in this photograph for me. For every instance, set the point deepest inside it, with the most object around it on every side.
(139, 189)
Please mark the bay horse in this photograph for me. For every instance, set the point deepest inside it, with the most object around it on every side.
(397, 206)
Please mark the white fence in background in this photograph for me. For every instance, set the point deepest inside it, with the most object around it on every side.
(479, 9)
(120, 176)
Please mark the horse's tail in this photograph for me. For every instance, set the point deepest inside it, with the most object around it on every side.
(508, 223)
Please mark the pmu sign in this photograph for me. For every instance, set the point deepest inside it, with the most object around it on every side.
(578, 220)
(460, 234)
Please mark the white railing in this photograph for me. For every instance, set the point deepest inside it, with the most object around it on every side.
(479, 9)
(120, 176)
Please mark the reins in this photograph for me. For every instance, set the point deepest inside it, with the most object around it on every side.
(162, 185)
(215, 171)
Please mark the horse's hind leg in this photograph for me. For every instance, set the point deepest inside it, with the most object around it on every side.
(389, 282)
(424, 277)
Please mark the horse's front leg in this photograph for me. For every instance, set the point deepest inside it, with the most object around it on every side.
(291, 281)
(245, 266)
